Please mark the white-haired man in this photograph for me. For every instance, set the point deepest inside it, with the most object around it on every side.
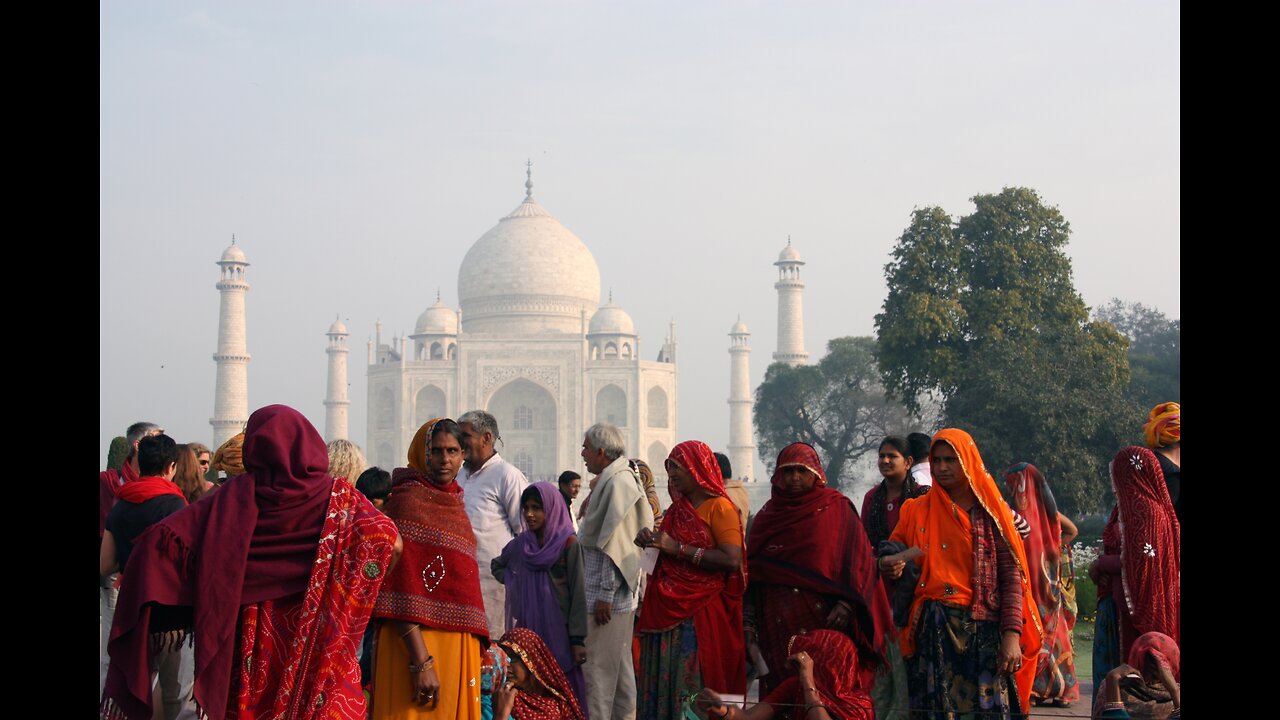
(616, 511)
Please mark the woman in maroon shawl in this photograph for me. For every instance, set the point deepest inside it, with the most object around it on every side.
(1055, 666)
(691, 619)
(537, 688)
(1149, 596)
(825, 679)
(812, 567)
(275, 574)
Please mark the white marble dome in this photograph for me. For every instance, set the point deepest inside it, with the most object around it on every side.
(613, 320)
(439, 319)
(789, 254)
(529, 274)
(739, 328)
(233, 254)
(337, 328)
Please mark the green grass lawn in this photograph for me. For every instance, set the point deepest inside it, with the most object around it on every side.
(1082, 643)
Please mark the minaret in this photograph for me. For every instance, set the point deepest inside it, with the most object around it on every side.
(790, 307)
(742, 451)
(335, 402)
(231, 392)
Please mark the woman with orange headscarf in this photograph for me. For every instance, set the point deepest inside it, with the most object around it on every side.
(1055, 667)
(433, 614)
(812, 567)
(973, 634)
(691, 620)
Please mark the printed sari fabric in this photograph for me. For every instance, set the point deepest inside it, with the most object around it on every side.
(1150, 554)
(298, 655)
(958, 572)
(1055, 667)
(679, 590)
(835, 676)
(275, 574)
(559, 701)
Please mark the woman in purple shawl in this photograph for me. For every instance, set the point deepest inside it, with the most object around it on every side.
(542, 569)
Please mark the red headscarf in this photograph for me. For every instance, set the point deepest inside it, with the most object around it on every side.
(679, 590)
(1157, 647)
(835, 675)
(815, 541)
(560, 703)
(1150, 550)
(696, 457)
(253, 540)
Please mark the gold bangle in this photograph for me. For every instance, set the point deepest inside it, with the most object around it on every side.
(430, 663)
(405, 634)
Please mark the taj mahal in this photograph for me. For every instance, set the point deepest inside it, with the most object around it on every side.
(531, 342)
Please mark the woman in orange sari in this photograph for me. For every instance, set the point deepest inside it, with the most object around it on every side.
(973, 634)
(1055, 667)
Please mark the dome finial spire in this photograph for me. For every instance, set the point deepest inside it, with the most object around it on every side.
(610, 296)
(528, 179)
(437, 294)
(788, 239)
(233, 238)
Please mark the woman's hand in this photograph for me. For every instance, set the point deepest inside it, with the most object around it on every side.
(579, 654)
(644, 538)
(1010, 659)
(804, 667)
(709, 703)
(426, 688)
(504, 699)
(891, 566)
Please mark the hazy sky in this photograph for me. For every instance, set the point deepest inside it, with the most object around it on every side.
(357, 150)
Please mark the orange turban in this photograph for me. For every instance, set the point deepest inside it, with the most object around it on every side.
(229, 457)
(1164, 425)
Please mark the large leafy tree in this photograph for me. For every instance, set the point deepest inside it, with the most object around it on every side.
(983, 312)
(838, 406)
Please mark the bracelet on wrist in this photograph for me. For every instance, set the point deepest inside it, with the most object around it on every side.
(425, 666)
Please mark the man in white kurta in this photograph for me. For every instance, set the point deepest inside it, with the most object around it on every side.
(491, 490)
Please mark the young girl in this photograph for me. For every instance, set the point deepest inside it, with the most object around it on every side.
(542, 570)
(882, 503)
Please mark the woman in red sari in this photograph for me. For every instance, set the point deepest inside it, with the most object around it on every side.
(825, 685)
(537, 688)
(691, 620)
(276, 574)
(812, 567)
(1148, 598)
(1031, 497)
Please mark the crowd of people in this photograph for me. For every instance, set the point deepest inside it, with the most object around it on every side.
(306, 584)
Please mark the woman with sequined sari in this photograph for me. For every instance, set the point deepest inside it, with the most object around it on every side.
(427, 658)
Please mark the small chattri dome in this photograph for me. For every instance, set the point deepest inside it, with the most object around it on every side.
(439, 319)
(789, 254)
(337, 328)
(739, 328)
(233, 254)
(611, 319)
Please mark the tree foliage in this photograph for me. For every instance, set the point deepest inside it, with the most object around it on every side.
(1155, 352)
(983, 312)
(838, 406)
